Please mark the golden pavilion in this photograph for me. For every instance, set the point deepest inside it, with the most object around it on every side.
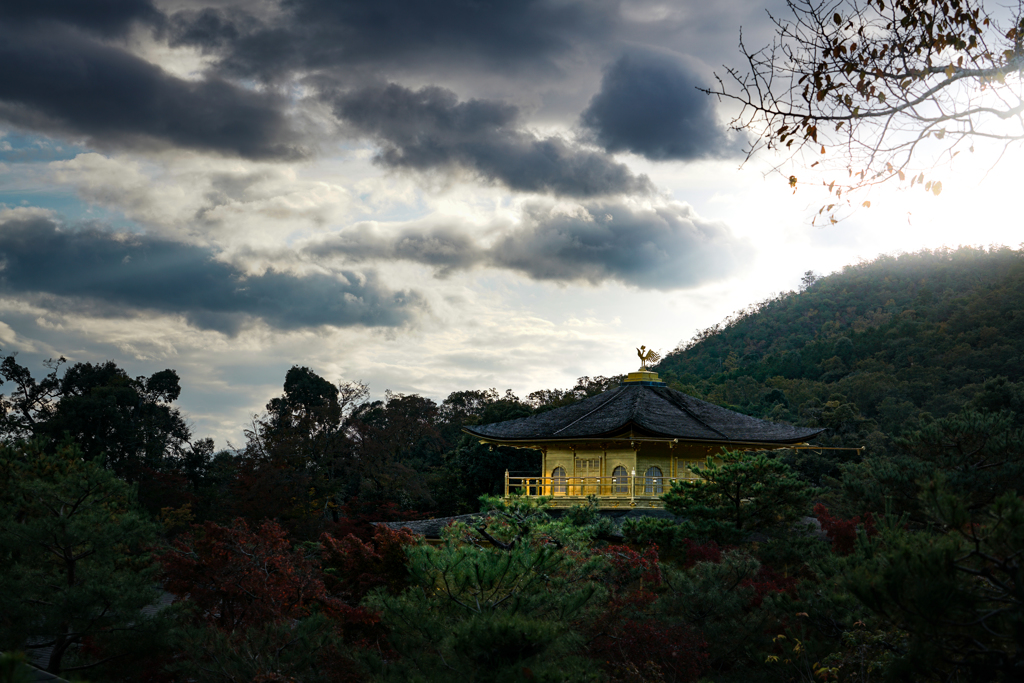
(627, 446)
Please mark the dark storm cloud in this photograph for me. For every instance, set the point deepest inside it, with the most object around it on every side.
(503, 35)
(105, 17)
(430, 129)
(58, 80)
(666, 247)
(649, 105)
(445, 248)
(114, 274)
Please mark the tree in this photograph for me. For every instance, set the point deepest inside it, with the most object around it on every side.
(14, 668)
(716, 598)
(352, 567)
(396, 442)
(31, 402)
(72, 562)
(875, 81)
(259, 606)
(746, 493)
(236, 578)
(473, 469)
(954, 588)
(308, 650)
(309, 420)
(464, 408)
(979, 455)
(302, 450)
(127, 421)
(547, 399)
(626, 636)
(504, 612)
(808, 280)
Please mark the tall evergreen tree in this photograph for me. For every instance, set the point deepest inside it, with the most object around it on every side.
(73, 562)
(743, 494)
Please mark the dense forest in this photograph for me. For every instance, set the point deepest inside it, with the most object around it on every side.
(898, 561)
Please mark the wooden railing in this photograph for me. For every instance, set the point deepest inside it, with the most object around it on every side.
(627, 489)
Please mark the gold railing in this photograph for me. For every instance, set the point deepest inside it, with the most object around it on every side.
(610, 491)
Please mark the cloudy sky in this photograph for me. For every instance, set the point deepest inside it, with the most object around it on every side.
(425, 196)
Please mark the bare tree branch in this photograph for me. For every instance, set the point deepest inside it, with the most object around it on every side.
(864, 84)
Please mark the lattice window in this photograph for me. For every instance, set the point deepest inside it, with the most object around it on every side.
(654, 483)
(559, 484)
(620, 480)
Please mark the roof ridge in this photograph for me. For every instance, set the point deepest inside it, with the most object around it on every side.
(636, 405)
(681, 404)
(597, 408)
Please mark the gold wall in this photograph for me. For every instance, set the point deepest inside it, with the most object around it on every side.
(674, 460)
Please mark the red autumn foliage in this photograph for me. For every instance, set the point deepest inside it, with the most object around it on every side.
(354, 568)
(237, 578)
(634, 647)
(631, 645)
(766, 581)
(265, 488)
(629, 566)
(843, 532)
(696, 552)
(639, 650)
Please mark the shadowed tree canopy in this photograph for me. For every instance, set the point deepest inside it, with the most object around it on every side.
(304, 391)
(30, 401)
(300, 446)
(307, 421)
(744, 493)
(73, 569)
(883, 89)
(128, 421)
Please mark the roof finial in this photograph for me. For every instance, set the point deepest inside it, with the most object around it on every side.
(651, 356)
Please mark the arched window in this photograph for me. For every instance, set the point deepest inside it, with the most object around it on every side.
(620, 480)
(558, 481)
(654, 484)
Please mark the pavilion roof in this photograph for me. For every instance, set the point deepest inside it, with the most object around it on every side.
(641, 409)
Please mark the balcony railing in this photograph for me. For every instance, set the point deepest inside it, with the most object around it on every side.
(629, 490)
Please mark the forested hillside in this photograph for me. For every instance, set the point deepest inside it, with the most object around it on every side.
(864, 352)
(909, 569)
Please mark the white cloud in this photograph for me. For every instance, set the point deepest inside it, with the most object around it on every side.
(201, 198)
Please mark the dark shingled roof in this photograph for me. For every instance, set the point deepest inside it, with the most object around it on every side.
(646, 411)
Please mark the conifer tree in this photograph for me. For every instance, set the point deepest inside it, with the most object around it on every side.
(745, 493)
(477, 613)
(979, 455)
(954, 589)
(72, 560)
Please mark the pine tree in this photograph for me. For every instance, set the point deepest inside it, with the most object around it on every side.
(500, 611)
(73, 566)
(743, 494)
(954, 589)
